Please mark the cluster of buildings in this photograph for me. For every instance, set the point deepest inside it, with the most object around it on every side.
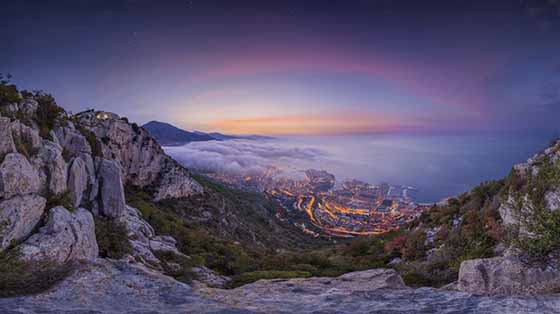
(356, 208)
(353, 208)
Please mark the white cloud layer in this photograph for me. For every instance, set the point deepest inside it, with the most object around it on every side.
(245, 157)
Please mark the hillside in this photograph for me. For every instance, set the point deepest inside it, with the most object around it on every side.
(169, 135)
(91, 197)
(110, 182)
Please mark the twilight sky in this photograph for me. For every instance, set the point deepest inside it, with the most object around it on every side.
(295, 67)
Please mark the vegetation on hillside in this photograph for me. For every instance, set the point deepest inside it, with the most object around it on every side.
(541, 225)
(18, 277)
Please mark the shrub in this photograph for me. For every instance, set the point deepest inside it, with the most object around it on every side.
(96, 148)
(62, 199)
(250, 277)
(112, 238)
(18, 277)
(8, 92)
(48, 112)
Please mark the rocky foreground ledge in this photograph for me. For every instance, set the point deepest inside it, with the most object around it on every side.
(108, 287)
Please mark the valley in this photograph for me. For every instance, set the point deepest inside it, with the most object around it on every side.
(318, 205)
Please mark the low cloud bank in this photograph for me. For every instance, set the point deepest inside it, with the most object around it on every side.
(245, 157)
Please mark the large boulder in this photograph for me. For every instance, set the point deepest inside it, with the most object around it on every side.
(112, 203)
(65, 237)
(6, 141)
(72, 140)
(52, 166)
(17, 177)
(507, 275)
(175, 183)
(18, 217)
(77, 181)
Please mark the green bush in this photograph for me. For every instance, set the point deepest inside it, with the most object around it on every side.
(112, 238)
(250, 277)
(48, 112)
(96, 148)
(8, 92)
(62, 199)
(542, 224)
(18, 277)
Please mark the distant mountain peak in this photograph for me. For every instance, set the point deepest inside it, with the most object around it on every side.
(169, 135)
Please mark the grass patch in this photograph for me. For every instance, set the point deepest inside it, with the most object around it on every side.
(112, 238)
(18, 277)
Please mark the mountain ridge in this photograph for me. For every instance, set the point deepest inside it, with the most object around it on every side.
(169, 135)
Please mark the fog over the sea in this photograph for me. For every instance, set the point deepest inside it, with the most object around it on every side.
(247, 157)
(438, 166)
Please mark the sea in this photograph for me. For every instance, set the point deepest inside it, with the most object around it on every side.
(437, 166)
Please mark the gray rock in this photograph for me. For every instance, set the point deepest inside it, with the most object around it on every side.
(112, 203)
(175, 183)
(77, 181)
(51, 164)
(27, 135)
(17, 177)
(65, 237)
(210, 277)
(18, 218)
(28, 107)
(144, 240)
(6, 141)
(506, 275)
(552, 199)
(109, 287)
(142, 160)
(72, 140)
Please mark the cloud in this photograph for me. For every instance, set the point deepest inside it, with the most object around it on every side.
(244, 157)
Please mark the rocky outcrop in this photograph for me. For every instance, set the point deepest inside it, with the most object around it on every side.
(507, 275)
(52, 168)
(144, 240)
(6, 141)
(142, 160)
(175, 182)
(18, 218)
(77, 181)
(65, 237)
(210, 277)
(112, 202)
(17, 176)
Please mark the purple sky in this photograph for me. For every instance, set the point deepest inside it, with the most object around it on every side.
(291, 67)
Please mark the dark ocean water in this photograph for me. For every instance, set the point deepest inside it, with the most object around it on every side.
(438, 166)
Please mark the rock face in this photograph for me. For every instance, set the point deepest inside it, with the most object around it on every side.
(144, 239)
(18, 217)
(507, 275)
(6, 141)
(112, 203)
(107, 287)
(54, 168)
(77, 181)
(66, 237)
(17, 176)
(142, 160)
